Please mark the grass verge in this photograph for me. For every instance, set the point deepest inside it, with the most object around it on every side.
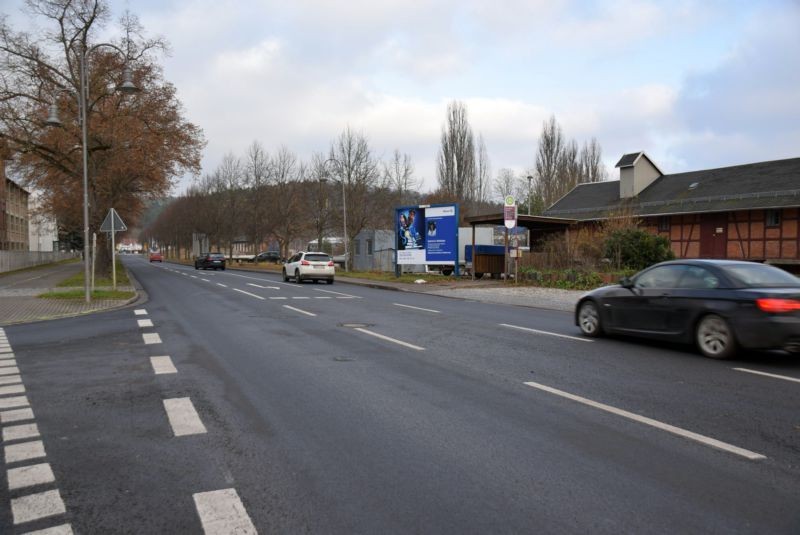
(77, 279)
(97, 294)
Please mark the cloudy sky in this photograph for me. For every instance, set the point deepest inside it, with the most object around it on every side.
(695, 83)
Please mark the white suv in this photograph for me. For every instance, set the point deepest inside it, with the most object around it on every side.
(309, 266)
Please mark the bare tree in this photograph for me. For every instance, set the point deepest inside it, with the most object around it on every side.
(318, 203)
(399, 176)
(285, 206)
(483, 173)
(456, 159)
(592, 168)
(230, 180)
(507, 183)
(548, 157)
(257, 166)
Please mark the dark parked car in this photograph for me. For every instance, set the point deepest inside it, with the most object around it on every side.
(719, 305)
(268, 256)
(210, 260)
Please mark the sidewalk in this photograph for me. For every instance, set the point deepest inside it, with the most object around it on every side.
(18, 291)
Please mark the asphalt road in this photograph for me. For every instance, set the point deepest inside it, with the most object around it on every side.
(344, 409)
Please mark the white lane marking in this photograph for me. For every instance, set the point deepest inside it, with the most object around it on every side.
(6, 350)
(301, 297)
(10, 379)
(36, 506)
(183, 417)
(300, 311)
(13, 370)
(202, 279)
(223, 285)
(263, 287)
(162, 365)
(278, 298)
(25, 451)
(63, 529)
(145, 323)
(140, 312)
(418, 308)
(765, 374)
(18, 432)
(714, 443)
(537, 331)
(16, 415)
(5, 363)
(248, 293)
(322, 297)
(12, 389)
(222, 513)
(193, 276)
(351, 297)
(6, 356)
(16, 401)
(393, 340)
(151, 338)
(337, 293)
(28, 476)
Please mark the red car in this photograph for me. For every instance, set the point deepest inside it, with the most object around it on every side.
(155, 256)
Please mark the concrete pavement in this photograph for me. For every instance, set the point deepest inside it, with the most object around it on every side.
(19, 290)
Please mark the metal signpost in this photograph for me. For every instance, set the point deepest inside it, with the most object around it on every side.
(113, 223)
(510, 220)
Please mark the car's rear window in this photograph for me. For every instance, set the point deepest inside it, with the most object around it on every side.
(217, 256)
(761, 276)
(318, 258)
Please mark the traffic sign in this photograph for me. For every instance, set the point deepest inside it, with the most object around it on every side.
(510, 216)
(113, 222)
(510, 200)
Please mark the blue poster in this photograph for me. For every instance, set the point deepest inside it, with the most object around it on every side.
(427, 234)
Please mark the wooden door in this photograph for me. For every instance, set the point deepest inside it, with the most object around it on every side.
(714, 235)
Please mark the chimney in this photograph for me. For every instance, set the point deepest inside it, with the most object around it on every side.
(636, 172)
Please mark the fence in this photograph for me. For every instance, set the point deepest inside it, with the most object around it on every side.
(11, 260)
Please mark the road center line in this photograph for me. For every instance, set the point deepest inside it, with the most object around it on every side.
(151, 338)
(145, 323)
(300, 311)
(248, 293)
(537, 331)
(183, 417)
(765, 374)
(162, 365)
(140, 312)
(417, 308)
(714, 443)
(388, 339)
(223, 285)
(222, 512)
(205, 280)
(263, 287)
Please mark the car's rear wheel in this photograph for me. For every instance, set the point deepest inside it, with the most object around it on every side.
(285, 276)
(714, 337)
(330, 281)
(589, 319)
(297, 278)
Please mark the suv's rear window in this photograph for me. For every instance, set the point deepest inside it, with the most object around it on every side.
(216, 256)
(761, 276)
(317, 258)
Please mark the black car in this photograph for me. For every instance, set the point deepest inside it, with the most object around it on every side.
(210, 260)
(719, 305)
(268, 256)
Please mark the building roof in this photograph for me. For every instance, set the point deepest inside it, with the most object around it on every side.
(774, 184)
(628, 160)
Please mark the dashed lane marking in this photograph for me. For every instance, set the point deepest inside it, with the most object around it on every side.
(162, 365)
(221, 512)
(418, 308)
(183, 417)
(12, 402)
(29, 476)
(20, 432)
(206, 280)
(10, 379)
(7, 362)
(12, 389)
(322, 297)
(6, 356)
(13, 370)
(300, 311)
(140, 312)
(145, 323)
(36, 506)
(248, 293)
(548, 333)
(151, 338)
(24, 451)
(337, 293)
(707, 441)
(16, 415)
(223, 285)
(389, 339)
(765, 374)
(278, 298)
(303, 297)
(263, 287)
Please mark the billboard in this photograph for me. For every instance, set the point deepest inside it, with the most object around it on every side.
(427, 234)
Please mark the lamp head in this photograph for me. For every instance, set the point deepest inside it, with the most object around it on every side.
(52, 116)
(127, 86)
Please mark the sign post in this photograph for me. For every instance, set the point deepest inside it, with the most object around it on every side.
(113, 223)
(510, 220)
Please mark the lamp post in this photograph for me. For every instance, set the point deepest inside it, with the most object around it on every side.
(322, 181)
(127, 87)
(344, 215)
(530, 178)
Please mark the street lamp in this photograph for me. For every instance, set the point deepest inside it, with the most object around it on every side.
(344, 215)
(530, 178)
(127, 87)
(320, 219)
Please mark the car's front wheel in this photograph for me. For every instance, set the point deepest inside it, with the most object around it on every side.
(714, 337)
(589, 319)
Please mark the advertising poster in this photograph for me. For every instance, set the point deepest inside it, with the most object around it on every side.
(427, 234)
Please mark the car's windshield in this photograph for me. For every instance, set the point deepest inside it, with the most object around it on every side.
(760, 276)
(317, 257)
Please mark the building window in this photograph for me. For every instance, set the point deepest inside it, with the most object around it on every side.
(369, 247)
(663, 223)
(773, 218)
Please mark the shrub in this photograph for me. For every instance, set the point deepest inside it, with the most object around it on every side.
(636, 249)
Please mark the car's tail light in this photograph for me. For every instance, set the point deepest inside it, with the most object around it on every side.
(778, 305)
(305, 263)
(330, 264)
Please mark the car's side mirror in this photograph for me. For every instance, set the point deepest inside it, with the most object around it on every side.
(626, 282)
